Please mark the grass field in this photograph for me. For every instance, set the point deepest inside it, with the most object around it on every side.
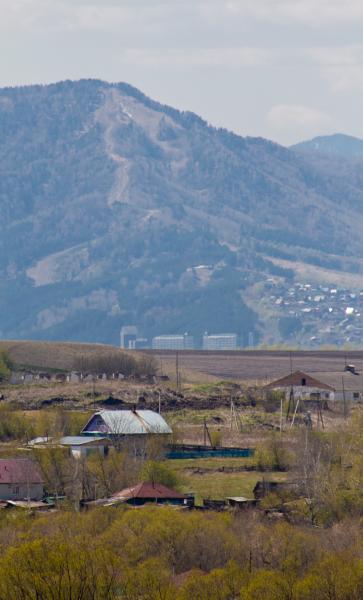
(54, 355)
(206, 480)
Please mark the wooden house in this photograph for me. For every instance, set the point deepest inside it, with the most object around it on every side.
(20, 479)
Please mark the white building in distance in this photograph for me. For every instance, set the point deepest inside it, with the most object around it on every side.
(220, 341)
(128, 336)
(173, 342)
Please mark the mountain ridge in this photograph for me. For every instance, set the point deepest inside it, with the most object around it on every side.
(337, 144)
(110, 200)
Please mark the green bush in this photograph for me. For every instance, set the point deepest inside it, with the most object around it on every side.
(6, 366)
(160, 473)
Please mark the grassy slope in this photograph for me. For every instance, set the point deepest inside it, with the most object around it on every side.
(205, 479)
(53, 355)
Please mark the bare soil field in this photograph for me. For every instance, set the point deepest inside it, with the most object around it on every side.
(253, 366)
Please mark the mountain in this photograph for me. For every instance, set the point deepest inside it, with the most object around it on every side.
(118, 210)
(332, 145)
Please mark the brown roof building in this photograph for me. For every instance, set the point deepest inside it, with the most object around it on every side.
(149, 491)
(20, 479)
(333, 385)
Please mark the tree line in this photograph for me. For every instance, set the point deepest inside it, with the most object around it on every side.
(163, 554)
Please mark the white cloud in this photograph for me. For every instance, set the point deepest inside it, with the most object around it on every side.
(296, 122)
(311, 12)
(110, 14)
(228, 58)
(341, 66)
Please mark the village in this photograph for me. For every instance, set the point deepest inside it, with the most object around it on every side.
(318, 315)
(232, 434)
(181, 469)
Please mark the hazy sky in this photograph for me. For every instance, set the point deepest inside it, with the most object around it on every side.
(283, 69)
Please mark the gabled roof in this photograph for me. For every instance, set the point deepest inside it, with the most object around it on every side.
(127, 422)
(19, 470)
(148, 490)
(353, 382)
(326, 380)
(296, 379)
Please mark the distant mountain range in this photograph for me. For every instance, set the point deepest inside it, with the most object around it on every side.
(118, 210)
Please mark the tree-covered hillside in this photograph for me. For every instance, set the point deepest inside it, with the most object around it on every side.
(109, 201)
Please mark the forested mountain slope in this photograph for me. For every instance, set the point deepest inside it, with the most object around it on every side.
(109, 201)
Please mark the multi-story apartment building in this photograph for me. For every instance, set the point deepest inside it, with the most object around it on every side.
(220, 341)
(173, 342)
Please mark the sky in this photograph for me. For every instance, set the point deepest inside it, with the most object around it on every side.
(287, 70)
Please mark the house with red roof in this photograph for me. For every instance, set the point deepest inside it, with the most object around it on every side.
(20, 479)
(149, 491)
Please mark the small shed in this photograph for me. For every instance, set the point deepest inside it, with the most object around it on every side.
(264, 488)
(241, 502)
(74, 377)
(81, 446)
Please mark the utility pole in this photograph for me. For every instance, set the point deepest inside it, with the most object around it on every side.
(177, 371)
(93, 392)
(344, 399)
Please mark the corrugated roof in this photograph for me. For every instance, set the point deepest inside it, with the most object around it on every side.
(127, 422)
(19, 470)
(80, 440)
(148, 490)
(40, 440)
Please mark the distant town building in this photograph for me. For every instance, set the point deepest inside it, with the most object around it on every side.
(141, 343)
(128, 336)
(251, 339)
(173, 342)
(220, 341)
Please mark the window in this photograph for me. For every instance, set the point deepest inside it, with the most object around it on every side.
(356, 395)
(303, 381)
(16, 491)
